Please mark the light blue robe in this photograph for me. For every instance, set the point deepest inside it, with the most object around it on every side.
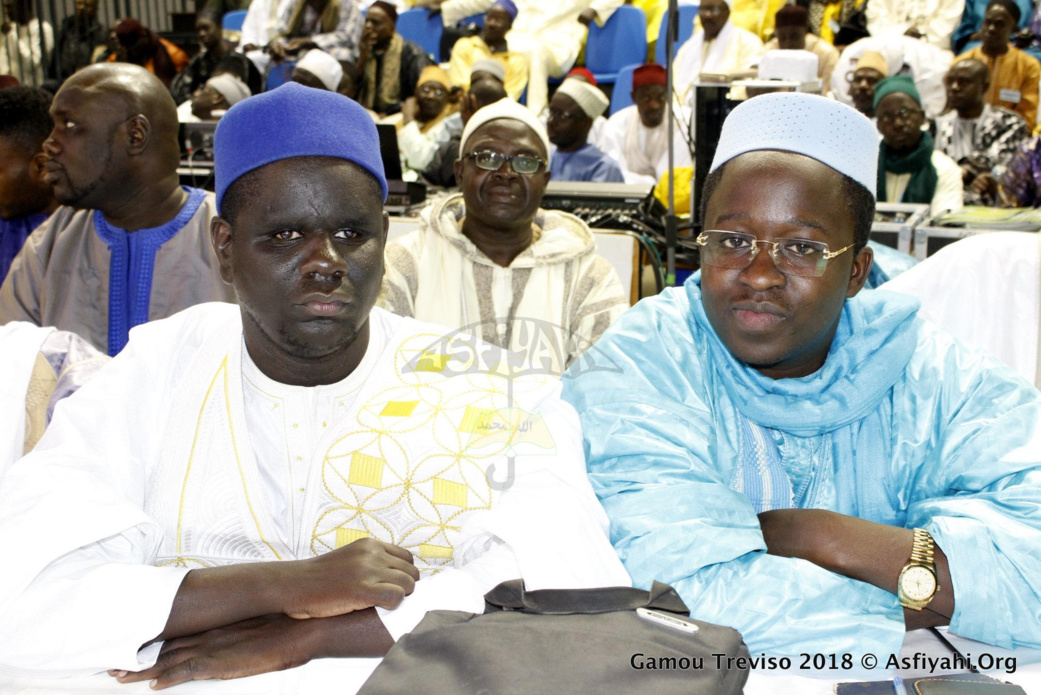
(587, 163)
(902, 425)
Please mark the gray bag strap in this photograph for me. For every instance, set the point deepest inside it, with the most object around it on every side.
(510, 595)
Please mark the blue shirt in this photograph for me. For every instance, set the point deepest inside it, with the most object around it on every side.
(902, 425)
(587, 163)
(13, 234)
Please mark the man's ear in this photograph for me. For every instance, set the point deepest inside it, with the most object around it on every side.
(36, 168)
(220, 238)
(457, 169)
(859, 273)
(139, 130)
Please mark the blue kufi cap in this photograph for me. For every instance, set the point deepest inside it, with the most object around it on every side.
(508, 5)
(294, 121)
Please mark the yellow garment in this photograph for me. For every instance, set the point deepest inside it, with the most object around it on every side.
(655, 11)
(470, 49)
(756, 16)
(683, 176)
(1014, 71)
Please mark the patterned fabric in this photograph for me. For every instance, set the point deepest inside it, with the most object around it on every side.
(761, 476)
(997, 135)
(336, 31)
(1022, 178)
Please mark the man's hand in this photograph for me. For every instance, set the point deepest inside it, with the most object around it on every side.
(263, 644)
(299, 44)
(986, 185)
(914, 33)
(409, 109)
(364, 574)
(587, 16)
(277, 50)
(257, 645)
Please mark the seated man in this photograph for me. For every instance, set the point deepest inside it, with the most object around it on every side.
(972, 21)
(303, 456)
(909, 169)
(319, 70)
(41, 367)
(490, 44)
(810, 464)
(214, 52)
(428, 118)
(637, 136)
(793, 33)
(26, 199)
(932, 21)
(488, 261)
(129, 245)
(985, 290)
(486, 88)
(572, 110)
(871, 69)
(981, 138)
(388, 66)
(718, 46)
(220, 93)
(335, 26)
(1013, 74)
(80, 39)
(548, 33)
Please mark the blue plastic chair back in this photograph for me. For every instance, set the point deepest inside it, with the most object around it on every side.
(233, 20)
(422, 28)
(278, 74)
(686, 30)
(621, 41)
(621, 96)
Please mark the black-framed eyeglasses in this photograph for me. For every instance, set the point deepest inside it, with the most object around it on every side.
(904, 114)
(736, 251)
(493, 161)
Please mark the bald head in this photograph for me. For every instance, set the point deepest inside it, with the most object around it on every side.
(115, 134)
(966, 83)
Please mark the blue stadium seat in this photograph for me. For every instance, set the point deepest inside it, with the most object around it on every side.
(686, 27)
(233, 20)
(422, 28)
(621, 41)
(278, 74)
(621, 96)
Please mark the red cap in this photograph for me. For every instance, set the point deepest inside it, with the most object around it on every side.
(583, 74)
(648, 74)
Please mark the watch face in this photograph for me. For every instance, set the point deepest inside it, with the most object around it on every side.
(918, 583)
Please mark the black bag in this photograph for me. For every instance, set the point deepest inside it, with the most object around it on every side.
(563, 641)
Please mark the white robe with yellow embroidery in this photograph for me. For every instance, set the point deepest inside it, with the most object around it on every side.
(156, 467)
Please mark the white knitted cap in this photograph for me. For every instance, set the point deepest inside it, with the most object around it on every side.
(590, 99)
(504, 108)
(832, 133)
(492, 67)
(230, 87)
(323, 66)
(781, 64)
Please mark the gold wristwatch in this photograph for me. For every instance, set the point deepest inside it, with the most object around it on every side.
(917, 583)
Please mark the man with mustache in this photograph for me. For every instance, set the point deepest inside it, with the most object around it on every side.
(808, 463)
(491, 262)
(301, 455)
(129, 243)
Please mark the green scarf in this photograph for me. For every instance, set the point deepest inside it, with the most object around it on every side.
(918, 163)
